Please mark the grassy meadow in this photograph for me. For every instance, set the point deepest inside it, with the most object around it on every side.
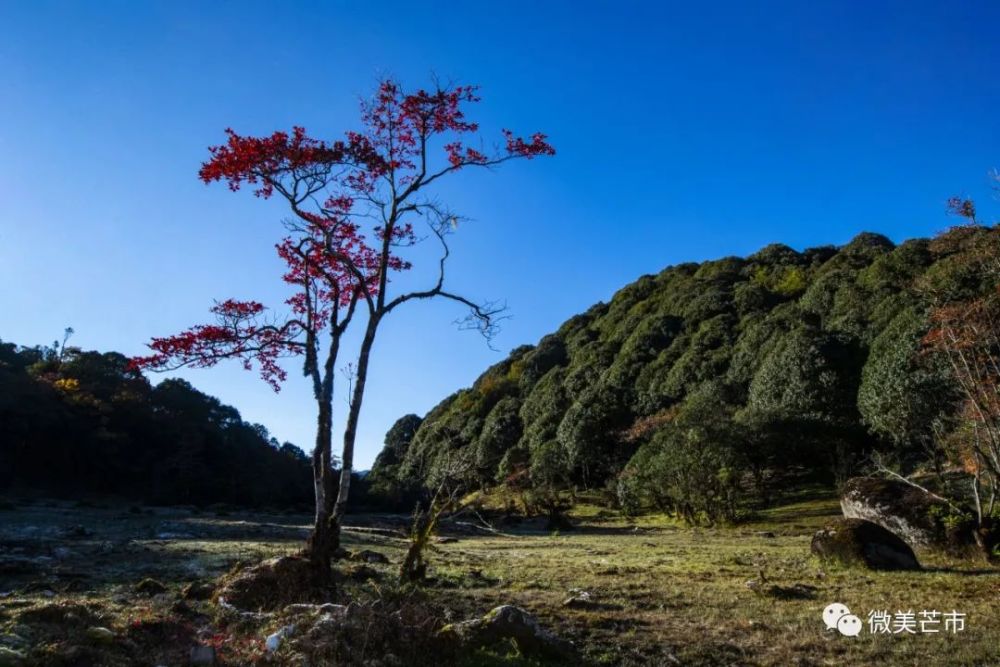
(644, 591)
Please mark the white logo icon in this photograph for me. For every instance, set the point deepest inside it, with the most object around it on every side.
(838, 616)
(849, 625)
(832, 614)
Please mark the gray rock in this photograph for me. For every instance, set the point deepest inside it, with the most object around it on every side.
(509, 623)
(274, 640)
(100, 635)
(906, 511)
(150, 587)
(198, 590)
(369, 556)
(580, 600)
(855, 542)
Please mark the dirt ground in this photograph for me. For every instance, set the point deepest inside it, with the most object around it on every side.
(96, 585)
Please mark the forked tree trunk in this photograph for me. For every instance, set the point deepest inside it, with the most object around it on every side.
(324, 540)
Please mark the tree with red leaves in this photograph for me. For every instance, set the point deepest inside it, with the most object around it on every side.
(354, 203)
(965, 332)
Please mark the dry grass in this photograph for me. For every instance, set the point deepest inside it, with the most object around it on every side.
(660, 593)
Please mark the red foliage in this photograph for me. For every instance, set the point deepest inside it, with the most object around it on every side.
(334, 189)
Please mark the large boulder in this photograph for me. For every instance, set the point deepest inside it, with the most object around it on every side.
(856, 542)
(920, 519)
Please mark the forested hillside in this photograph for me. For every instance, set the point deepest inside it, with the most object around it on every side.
(75, 424)
(709, 384)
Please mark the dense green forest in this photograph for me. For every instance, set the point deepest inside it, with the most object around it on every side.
(712, 387)
(76, 424)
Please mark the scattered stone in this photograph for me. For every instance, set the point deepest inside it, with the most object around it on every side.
(150, 587)
(198, 590)
(854, 542)
(509, 623)
(904, 510)
(273, 641)
(100, 635)
(369, 556)
(202, 655)
(10, 658)
(446, 540)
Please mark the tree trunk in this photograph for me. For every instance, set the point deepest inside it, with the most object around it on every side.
(351, 427)
(324, 540)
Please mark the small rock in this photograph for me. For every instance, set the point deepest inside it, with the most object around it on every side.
(369, 556)
(581, 600)
(150, 587)
(202, 655)
(327, 624)
(766, 534)
(273, 641)
(446, 540)
(101, 635)
(198, 590)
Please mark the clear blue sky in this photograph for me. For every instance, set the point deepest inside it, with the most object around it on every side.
(685, 132)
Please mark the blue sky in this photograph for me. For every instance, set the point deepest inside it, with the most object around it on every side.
(685, 132)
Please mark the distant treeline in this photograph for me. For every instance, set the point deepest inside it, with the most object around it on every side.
(77, 424)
